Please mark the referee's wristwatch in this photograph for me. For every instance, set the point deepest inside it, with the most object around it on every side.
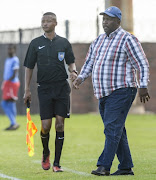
(76, 72)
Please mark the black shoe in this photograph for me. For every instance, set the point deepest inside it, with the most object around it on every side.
(100, 171)
(12, 127)
(123, 172)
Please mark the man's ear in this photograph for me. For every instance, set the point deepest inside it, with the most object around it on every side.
(118, 21)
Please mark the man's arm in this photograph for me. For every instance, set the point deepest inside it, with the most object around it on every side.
(73, 71)
(14, 74)
(86, 68)
(139, 61)
(27, 93)
(11, 78)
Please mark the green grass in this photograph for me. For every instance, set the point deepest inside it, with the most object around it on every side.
(84, 141)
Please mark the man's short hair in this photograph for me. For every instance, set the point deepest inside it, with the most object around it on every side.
(12, 46)
(49, 13)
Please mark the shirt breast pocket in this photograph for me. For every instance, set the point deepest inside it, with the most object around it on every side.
(43, 58)
(117, 53)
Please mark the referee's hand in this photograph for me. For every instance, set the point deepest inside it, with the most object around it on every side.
(76, 83)
(27, 96)
(73, 76)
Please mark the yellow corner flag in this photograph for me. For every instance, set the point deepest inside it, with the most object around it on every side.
(31, 130)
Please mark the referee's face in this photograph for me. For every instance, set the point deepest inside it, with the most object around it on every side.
(48, 23)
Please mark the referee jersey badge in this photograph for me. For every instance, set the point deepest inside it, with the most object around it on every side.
(61, 55)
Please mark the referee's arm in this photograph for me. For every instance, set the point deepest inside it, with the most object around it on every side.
(28, 76)
(73, 71)
(72, 67)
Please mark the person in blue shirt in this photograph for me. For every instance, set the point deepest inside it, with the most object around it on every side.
(10, 87)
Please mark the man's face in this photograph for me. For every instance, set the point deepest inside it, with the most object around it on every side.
(48, 23)
(110, 24)
(11, 51)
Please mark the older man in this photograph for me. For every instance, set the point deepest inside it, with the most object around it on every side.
(113, 60)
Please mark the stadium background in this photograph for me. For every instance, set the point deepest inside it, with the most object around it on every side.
(78, 32)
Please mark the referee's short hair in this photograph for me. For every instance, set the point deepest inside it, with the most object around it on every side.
(49, 13)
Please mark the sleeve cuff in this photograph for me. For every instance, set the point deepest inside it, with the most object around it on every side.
(81, 77)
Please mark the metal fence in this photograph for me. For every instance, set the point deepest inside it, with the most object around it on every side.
(19, 36)
(76, 31)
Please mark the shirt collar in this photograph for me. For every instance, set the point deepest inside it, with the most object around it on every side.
(114, 33)
(46, 36)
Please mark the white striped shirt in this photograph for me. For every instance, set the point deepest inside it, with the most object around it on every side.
(114, 61)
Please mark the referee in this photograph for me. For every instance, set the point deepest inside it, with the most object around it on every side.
(50, 52)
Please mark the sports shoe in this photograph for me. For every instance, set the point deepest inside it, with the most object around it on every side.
(123, 172)
(46, 162)
(100, 171)
(12, 127)
(57, 169)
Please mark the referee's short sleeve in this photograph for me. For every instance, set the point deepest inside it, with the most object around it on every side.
(69, 55)
(31, 57)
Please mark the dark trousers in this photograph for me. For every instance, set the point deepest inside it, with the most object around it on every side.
(114, 109)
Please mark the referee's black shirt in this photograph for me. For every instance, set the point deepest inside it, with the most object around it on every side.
(49, 56)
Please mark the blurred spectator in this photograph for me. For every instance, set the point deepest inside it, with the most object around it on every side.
(10, 87)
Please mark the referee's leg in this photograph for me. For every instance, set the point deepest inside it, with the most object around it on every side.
(45, 129)
(59, 126)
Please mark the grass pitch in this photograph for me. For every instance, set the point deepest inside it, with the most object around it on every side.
(84, 141)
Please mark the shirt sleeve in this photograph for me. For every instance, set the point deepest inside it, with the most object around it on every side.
(86, 69)
(69, 55)
(138, 59)
(16, 64)
(31, 57)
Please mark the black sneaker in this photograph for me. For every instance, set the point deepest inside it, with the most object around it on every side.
(100, 171)
(12, 127)
(123, 172)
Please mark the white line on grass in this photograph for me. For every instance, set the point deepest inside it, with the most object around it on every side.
(69, 170)
(76, 172)
(8, 177)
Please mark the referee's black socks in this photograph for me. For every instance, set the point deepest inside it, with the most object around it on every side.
(45, 143)
(58, 147)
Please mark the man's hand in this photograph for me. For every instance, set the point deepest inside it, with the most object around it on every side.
(27, 96)
(76, 83)
(73, 76)
(143, 94)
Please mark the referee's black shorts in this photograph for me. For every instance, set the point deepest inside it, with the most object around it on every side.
(54, 99)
